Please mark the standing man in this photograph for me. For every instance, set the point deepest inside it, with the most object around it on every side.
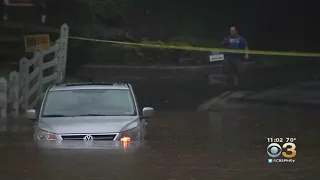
(232, 62)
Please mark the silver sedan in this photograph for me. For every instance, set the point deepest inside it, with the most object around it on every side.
(89, 115)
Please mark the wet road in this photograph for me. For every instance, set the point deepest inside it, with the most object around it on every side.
(182, 144)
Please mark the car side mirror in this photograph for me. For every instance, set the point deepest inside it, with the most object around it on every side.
(31, 114)
(147, 112)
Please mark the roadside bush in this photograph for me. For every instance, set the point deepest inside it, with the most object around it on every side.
(120, 54)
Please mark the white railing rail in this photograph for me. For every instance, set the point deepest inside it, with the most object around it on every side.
(16, 93)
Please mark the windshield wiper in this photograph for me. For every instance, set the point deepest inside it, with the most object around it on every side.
(55, 115)
(92, 115)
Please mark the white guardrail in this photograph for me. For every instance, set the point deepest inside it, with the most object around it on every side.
(16, 92)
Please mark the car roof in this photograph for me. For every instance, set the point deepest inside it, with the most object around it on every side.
(75, 86)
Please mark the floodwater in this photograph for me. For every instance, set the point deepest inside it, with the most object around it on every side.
(182, 144)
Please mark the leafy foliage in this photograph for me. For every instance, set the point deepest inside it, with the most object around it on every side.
(104, 14)
(105, 10)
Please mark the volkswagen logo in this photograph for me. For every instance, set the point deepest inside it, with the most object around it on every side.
(88, 138)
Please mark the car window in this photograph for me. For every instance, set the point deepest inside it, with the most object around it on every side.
(108, 102)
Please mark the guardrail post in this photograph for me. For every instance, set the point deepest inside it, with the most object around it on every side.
(63, 47)
(3, 97)
(58, 67)
(14, 92)
(24, 82)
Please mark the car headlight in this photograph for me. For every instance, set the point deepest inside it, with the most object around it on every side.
(133, 134)
(44, 135)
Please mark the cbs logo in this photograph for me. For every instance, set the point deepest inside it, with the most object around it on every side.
(275, 150)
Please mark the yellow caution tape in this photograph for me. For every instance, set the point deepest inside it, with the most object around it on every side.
(163, 46)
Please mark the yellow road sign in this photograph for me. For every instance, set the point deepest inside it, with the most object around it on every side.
(36, 42)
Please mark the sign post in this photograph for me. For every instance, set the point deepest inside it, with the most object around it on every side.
(39, 4)
(38, 42)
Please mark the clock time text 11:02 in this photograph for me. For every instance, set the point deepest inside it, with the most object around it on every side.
(280, 140)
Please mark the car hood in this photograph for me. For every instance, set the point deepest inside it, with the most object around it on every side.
(91, 125)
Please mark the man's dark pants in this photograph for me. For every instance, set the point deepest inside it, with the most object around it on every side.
(232, 68)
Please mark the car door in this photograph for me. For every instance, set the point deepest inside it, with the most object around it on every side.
(143, 122)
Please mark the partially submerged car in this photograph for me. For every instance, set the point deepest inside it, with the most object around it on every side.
(89, 112)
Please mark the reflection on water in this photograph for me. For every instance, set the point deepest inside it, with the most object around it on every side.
(181, 145)
(90, 145)
(215, 123)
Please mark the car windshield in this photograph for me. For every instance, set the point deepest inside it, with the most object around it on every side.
(89, 102)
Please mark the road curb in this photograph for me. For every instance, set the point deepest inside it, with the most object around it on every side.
(217, 102)
(275, 103)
